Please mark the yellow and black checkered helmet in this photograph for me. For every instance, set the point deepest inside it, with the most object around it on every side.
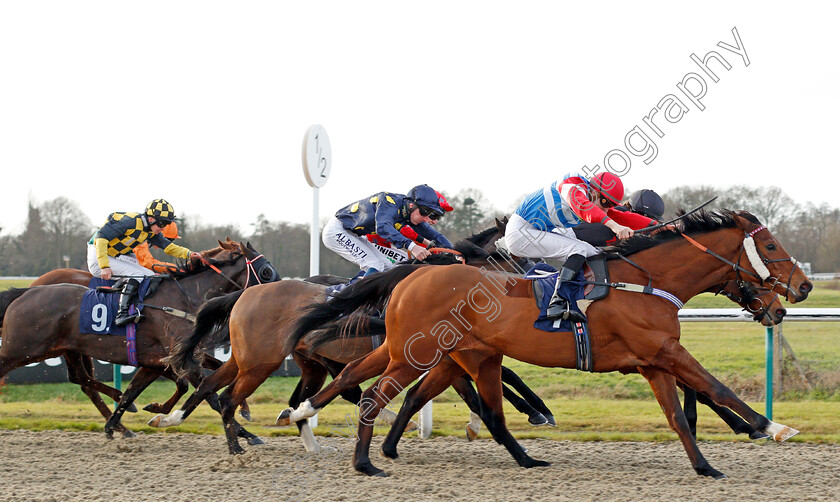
(161, 210)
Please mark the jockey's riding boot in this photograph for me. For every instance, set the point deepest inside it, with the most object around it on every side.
(129, 290)
(558, 307)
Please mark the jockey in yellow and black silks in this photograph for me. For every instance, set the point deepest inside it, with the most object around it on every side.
(110, 249)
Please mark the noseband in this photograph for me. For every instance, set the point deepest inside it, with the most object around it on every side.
(258, 267)
(758, 261)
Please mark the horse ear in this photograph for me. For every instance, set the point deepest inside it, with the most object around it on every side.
(249, 246)
(221, 244)
(501, 225)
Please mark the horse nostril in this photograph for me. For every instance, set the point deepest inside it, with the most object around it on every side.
(806, 288)
(780, 313)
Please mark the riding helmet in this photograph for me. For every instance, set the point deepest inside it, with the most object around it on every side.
(648, 203)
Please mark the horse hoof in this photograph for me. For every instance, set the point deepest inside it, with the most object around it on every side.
(780, 432)
(537, 420)
(284, 419)
(370, 470)
(550, 419)
(411, 426)
(759, 435)
(245, 414)
(255, 441)
(156, 420)
(390, 454)
(535, 463)
(109, 434)
(131, 408)
(153, 408)
(471, 434)
(237, 450)
(128, 434)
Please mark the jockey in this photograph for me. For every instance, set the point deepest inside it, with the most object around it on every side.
(542, 226)
(384, 214)
(110, 249)
(144, 255)
(647, 203)
(409, 232)
(644, 208)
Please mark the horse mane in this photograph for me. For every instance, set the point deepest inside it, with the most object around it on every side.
(702, 221)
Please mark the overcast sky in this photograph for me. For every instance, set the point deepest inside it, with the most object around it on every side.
(112, 104)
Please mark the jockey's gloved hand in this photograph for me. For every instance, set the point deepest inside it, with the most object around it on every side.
(432, 244)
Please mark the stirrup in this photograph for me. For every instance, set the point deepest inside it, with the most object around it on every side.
(560, 308)
(125, 318)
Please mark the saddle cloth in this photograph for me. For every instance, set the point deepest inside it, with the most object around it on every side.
(99, 309)
(544, 278)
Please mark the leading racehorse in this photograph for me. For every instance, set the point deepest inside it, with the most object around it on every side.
(476, 318)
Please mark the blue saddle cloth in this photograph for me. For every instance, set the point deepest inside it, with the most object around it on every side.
(99, 310)
(544, 277)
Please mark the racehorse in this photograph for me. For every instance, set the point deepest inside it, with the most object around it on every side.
(259, 321)
(43, 322)
(629, 332)
(80, 367)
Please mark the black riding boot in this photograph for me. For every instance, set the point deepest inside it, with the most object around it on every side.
(129, 290)
(558, 307)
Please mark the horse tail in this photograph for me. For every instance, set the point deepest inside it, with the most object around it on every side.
(364, 328)
(370, 292)
(211, 330)
(6, 299)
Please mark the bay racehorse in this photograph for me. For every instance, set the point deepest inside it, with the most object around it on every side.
(260, 321)
(43, 322)
(629, 332)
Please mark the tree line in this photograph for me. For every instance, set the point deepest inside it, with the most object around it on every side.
(57, 231)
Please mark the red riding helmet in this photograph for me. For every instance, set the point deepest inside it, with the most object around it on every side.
(608, 186)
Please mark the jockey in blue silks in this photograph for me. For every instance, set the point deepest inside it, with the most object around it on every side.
(384, 214)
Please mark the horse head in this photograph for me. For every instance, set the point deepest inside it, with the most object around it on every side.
(768, 311)
(769, 261)
(225, 261)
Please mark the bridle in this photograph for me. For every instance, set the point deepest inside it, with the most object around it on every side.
(758, 261)
(749, 297)
(258, 267)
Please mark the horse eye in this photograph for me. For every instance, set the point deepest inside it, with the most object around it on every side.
(771, 247)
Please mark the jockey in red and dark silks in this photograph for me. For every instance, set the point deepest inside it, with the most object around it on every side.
(543, 226)
(110, 249)
(385, 214)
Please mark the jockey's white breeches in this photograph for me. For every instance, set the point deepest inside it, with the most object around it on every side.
(124, 264)
(359, 250)
(525, 241)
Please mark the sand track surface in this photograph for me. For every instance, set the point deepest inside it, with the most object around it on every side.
(61, 465)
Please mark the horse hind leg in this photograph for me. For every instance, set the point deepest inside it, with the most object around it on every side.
(389, 385)
(486, 372)
(530, 397)
(665, 389)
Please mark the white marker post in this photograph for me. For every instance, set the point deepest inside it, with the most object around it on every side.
(317, 162)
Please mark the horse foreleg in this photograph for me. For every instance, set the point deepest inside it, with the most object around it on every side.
(208, 386)
(665, 389)
(243, 385)
(354, 374)
(211, 363)
(674, 359)
(690, 409)
(530, 397)
(181, 388)
(736, 423)
(141, 379)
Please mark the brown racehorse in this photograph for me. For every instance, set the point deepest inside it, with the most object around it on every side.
(80, 367)
(629, 332)
(259, 323)
(43, 322)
